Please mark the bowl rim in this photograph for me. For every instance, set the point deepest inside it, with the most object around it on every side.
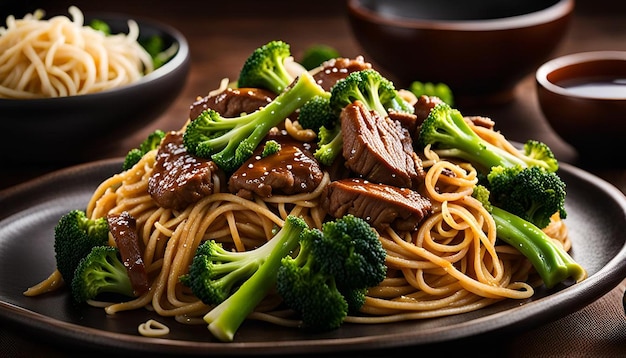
(558, 10)
(180, 59)
(543, 72)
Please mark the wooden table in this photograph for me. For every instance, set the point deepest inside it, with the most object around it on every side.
(222, 35)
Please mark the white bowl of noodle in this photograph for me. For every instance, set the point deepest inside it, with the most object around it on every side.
(73, 88)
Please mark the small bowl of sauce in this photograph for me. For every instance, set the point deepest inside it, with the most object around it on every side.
(583, 98)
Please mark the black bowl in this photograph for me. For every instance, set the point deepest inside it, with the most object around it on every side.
(481, 49)
(70, 129)
(583, 98)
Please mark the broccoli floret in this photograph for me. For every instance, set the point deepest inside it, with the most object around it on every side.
(445, 130)
(150, 143)
(101, 271)
(329, 146)
(331, 272)
(132, 157)
(372, 89)
(309, 291)
(226, 318)
(540, 151)
(440, 90)
(317, 54)
(317, 113)
(553, 264)
(155, 47)
(532, 193)
(482, 194)
(265, 68)
(359, 258)
(74, 237)
(271, 147)
(215, 273)
(101, 26)
(355, 298)
(231, 141)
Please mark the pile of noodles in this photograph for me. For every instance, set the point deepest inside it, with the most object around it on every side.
(453, 264)
(57, 57)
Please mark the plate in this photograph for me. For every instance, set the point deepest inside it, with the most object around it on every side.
(28, 213)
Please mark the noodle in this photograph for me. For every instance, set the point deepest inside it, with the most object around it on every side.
(152, 328)
(61, 57)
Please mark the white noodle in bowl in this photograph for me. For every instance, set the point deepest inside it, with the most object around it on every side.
(74, 128)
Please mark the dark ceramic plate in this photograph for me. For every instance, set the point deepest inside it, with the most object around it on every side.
(28, 213)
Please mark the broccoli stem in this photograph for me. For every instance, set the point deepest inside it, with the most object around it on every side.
(551, 262)
(245, 138)
(224, 320)
(466, 144)
(449, 134)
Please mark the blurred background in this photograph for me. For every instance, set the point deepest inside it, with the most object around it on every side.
(222, 34)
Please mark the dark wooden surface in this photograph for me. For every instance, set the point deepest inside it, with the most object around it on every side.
(222, 34)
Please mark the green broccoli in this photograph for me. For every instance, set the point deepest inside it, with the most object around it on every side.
(215, 272)
(316, 113)
(540, 151)
(74, 237)
(271, 147)
(316, 55)
(532, 193)
(447, 132)
(231, 141)
(553, 264)
(101, 26)
(254, 271)
(355, 298)
(308, 291)
(370, 88)
(101, 271)
(265, 68)
(330, 144)
(440, 90)
(150, 143)
(482, 194)
(155, 46)
(332, 271)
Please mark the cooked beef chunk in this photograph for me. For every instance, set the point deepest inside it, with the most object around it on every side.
(232, 102)
(380, 205)
(337, 170)
(338, 68)
(407, 120)
(292, 170)
(123, 228)
(378, 148)
(423, 106)
(178, 178)
(481, 121)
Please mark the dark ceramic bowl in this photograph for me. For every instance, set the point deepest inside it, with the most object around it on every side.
(69, 129)
(478, 48)
(583, 98)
